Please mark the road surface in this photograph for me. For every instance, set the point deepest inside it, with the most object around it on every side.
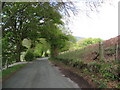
(39, 74)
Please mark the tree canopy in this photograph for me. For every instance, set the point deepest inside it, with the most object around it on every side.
(32, 21)
(85, 42)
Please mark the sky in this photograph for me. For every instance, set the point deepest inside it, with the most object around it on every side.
(102, 24)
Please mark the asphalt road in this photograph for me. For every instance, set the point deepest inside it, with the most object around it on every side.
(39, 74)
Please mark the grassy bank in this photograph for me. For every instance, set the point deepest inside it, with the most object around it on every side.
(74, 74)
(99, 79)
(9, 71)
(103, 71)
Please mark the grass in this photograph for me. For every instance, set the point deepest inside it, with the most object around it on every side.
(95, 79)
(94, 71)
(10, 70)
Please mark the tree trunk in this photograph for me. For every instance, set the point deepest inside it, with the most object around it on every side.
(46, 54)
(18, 50)
(6, 64)
(54, 51)
(41, 53)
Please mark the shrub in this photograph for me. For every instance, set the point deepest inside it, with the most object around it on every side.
(70, 62)
(108, 75)
(94, 67)
(29, 56)
(74, 63)
(103, 85)
(81, 64)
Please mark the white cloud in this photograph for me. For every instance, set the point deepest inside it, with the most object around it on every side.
(101, 25)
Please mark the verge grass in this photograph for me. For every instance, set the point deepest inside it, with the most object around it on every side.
(11, 70)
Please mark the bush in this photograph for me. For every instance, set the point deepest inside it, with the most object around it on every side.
(94, 67)
(80, 64)
(109, 71)
(74, 63)
(29, 56)
(103, 85)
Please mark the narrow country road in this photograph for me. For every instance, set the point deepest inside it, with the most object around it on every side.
(39, 74)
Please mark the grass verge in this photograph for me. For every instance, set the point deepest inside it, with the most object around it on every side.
(94, 79)
(74, 74)
(11, 70)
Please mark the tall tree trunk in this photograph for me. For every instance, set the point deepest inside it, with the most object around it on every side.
(18, 50)
(54, 51)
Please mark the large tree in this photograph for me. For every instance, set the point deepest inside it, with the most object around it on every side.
(29, 20)
(33, 20)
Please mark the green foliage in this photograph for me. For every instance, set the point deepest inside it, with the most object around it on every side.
(94, 67)
(8, 49)
(26, 43)
(90, 41)
(67, 43)
(102, 84)
(31, 20)
(41, 47)
(85, 42)
(118, 85)
(108, 72)
(72, 62)
(29, 56)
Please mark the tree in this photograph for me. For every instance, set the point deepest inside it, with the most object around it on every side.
(34, 20)
(31, 21)
(15, 20)
(41, 47)
(85, 42)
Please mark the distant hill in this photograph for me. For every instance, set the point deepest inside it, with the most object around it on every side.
(78, 38)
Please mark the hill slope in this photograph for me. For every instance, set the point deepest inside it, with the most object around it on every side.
(78, 38)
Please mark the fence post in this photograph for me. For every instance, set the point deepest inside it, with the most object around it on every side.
(116, 52)
(101, 51)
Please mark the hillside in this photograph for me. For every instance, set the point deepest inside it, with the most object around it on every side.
(98, 62)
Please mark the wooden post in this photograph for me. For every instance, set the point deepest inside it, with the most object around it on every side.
(118, 58)
(116, 52)
(101, 51)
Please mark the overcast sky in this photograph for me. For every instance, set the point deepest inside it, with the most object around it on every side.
(102, 25)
